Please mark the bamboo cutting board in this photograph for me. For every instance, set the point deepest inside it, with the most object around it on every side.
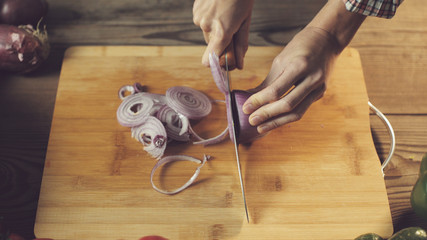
(318, 178)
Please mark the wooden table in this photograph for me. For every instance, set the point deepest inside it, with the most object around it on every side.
(393, 54)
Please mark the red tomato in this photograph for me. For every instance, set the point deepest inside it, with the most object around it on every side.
(153, 238)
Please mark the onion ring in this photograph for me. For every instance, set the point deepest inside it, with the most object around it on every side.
(133, 110)
(188, 101)
(152, 135)
(176, 124)
(214, 140)
(218, 73)
(124, 89)
(169, 159)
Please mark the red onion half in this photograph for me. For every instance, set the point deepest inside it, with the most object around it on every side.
(245, 131)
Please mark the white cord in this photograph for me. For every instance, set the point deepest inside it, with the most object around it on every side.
(391, 133)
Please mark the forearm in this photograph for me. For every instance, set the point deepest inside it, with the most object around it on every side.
(339, 23)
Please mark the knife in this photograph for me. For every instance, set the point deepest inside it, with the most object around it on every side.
(233, 114)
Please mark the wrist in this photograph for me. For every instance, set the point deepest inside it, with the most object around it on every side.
(339, 24)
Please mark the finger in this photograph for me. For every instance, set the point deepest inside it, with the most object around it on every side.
(228, 57)
(241, 43)
(206, 37)
(276, 86)
(274, 73)
(295, 115)
(217, 45)
(288, 102)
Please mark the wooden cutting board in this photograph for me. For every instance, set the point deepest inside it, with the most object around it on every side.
(318, 178)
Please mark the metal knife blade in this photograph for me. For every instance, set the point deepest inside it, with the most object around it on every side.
(232, 108)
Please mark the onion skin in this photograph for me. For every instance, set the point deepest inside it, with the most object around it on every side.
(22, 49)
(22, 12)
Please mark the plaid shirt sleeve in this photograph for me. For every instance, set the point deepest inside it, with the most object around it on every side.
(377, 8)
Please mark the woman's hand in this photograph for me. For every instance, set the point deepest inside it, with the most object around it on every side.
(297, 79)
(223, 21)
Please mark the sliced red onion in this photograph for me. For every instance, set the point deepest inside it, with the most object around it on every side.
(245, 131)
(169, 159)
(210, 141)
(176, 124)
(157, 98)
(152, 135)
(185, 124)
(138, 87)
(134, 109)
(188, 102)
(218, 73)
(126, 89)
(155, 109)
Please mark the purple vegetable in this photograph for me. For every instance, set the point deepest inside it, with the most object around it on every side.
(22, 49)
(245, 131)
(22, 12)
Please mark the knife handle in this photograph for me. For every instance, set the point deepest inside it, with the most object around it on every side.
(231, 58)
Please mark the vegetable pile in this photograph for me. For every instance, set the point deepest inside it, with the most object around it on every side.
(157, 119)
(24, 43)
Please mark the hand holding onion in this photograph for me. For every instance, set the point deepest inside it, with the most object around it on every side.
(297, 79)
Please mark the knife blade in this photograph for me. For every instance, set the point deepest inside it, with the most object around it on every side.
(233, 113)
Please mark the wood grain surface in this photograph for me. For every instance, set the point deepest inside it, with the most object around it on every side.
(320, 173)
(392, 53)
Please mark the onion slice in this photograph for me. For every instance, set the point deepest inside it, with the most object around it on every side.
(169, 159)
(126, 89)
(176, 124)
(189, 102)
(218, 73)
(152, 135)
(133, 110)
(214, 140)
